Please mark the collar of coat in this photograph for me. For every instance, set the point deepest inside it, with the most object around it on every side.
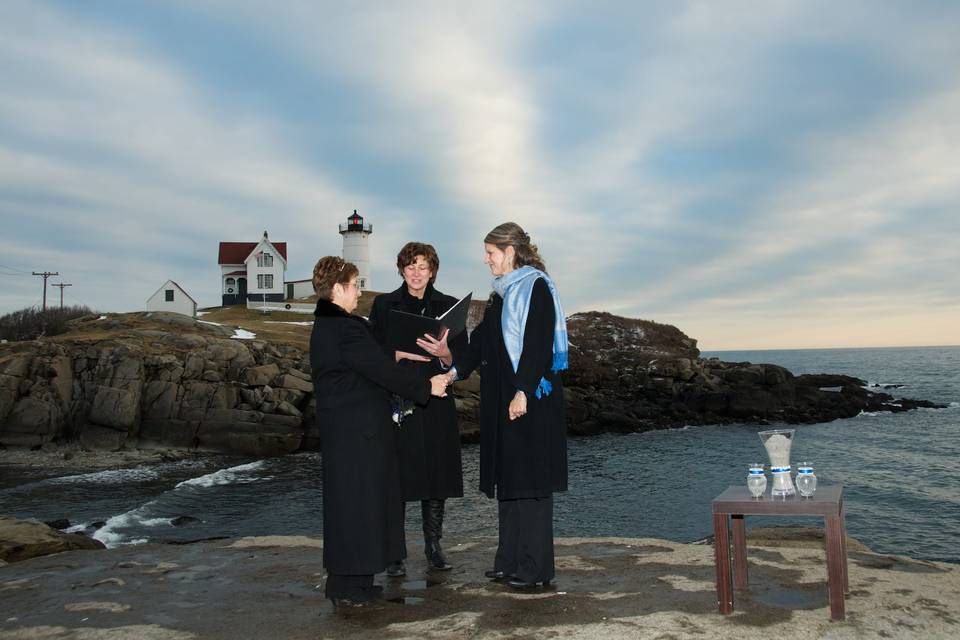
(402, 294)
(327, 309)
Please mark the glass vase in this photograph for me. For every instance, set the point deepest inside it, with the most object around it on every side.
(777, 442)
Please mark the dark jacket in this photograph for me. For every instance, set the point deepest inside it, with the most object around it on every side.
(429, 438)
(352, 381)
(526, 457)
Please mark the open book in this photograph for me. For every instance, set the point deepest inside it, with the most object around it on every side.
(404, 328)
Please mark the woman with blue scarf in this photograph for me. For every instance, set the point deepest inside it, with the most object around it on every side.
(520, 348)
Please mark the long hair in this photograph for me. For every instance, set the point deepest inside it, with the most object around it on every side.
(331, 270)
(510, 234)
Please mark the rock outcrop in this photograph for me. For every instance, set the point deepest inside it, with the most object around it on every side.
(161, 380)
(636, 375)
(23, 539)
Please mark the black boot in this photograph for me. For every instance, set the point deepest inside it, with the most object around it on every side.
(396, 569)
(432, 512)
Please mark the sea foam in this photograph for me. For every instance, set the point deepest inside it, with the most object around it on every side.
(231, 475)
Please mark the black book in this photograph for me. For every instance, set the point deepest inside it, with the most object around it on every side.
(403, 329)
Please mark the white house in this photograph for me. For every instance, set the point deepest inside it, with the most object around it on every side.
(172, 297)
(299, 289)
(252, 271)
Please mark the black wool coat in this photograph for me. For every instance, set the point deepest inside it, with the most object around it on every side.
(429, 438)
(352, 381)
(526, 457)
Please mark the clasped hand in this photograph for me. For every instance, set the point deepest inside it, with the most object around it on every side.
(518, 406)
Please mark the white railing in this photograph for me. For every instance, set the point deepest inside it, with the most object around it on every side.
(295, 307)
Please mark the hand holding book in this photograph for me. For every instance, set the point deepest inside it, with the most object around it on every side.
(437, 348)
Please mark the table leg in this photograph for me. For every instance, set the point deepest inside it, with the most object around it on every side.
(835, 556)
(843, 548)
(721, 553)
(739, 552)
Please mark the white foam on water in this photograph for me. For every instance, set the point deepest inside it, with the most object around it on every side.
(302, 324)
(243, 334)
(231, 475)
(108, 476)
(110, 535)
(102, 318)
(216, 324)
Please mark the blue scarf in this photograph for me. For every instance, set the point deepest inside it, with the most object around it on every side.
(516, 288)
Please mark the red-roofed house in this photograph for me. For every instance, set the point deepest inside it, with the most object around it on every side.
(252, 270)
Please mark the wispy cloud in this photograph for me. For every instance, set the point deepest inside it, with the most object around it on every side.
(758, 175)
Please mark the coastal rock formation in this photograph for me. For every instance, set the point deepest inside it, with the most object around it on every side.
(23, 539)
(162, 380)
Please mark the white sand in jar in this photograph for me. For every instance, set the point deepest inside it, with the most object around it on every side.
(778, 448)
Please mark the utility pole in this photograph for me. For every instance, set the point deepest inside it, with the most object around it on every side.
(61, 286)
(46, 274)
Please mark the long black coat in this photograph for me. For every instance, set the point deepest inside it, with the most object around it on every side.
(526, 457)
(352, 380)
(429, 438)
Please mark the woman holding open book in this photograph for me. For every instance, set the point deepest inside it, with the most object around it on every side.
(429, 437)
(352, 381)
(520, 348)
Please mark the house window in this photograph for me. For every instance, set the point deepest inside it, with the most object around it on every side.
(231, 282)
(264, 281)
(169, 294)
(264, 260)
(363, 283)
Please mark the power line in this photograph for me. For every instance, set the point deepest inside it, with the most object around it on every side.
(61, 285)
(15, 270)
(45, 275)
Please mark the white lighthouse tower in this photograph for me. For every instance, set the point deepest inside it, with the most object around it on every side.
(355, 247)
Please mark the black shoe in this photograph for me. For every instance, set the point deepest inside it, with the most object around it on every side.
(432, 513)
(396, 570)
(523, 585)
(435, 558)
(495, 575)
(357, 599)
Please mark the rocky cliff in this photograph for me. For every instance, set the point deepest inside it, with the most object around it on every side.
(164, 380)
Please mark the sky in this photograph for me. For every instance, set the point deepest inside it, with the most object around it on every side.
(760, 174)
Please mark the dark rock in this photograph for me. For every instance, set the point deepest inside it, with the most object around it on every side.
(60, 524)
(179, 521)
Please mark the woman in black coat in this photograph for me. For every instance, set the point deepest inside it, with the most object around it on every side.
(352, 381)
(520, 347)
(429, 438)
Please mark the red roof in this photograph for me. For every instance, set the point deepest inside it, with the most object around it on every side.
(237, 252)
(236, 273)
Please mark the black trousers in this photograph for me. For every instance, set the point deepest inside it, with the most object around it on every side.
(525, 549)
(343, 586)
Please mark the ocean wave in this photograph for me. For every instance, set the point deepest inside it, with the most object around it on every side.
(111, 536)
(231, 475)
(108, 476)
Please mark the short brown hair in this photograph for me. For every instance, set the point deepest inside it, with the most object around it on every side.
(331, 270)
(408, 255)
(510, 234)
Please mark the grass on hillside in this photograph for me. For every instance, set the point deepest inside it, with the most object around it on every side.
(270, 325)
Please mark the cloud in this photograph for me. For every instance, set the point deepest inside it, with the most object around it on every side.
(686, 162)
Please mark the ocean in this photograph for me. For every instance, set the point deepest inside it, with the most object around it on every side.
(899, 471)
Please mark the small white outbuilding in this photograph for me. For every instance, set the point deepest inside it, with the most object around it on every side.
(172, 297)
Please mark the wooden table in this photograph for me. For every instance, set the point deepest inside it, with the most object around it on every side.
(736, 502)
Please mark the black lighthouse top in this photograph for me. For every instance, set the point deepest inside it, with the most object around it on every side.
(355, 223)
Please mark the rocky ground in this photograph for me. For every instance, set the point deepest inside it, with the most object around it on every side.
(270, 587)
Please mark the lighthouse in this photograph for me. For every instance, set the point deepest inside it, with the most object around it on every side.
(355, 247)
